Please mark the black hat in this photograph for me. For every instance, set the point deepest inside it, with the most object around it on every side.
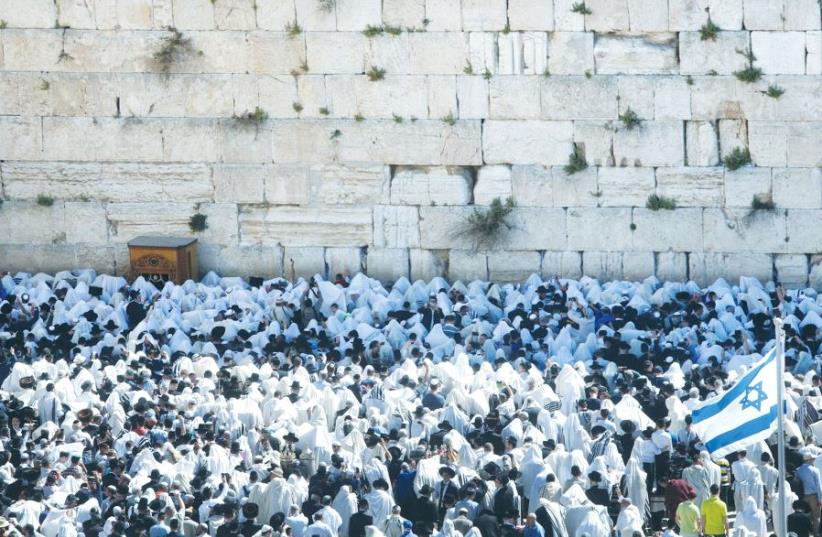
(218, 332)
(95, 290)
(447, 470)
(444, 425)
(291, 437)
(251, 510)
(426, 490)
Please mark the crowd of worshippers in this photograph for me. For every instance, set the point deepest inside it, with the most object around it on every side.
(349, 408)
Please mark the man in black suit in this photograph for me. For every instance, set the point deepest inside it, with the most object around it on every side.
(248, 527)
(359, 520)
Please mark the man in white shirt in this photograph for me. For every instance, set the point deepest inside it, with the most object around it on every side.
(318, 528)
(664, 442)
(297, 521)
(646, 450)
(331, 518)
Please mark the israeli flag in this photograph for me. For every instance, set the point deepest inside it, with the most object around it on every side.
(743, 415)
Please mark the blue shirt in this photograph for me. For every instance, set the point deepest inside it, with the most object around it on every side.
(811, 481)
(535, 531)
(158, 530)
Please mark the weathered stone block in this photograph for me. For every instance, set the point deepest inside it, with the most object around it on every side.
(275, 15)
(510, 53)
(527, 142)
(655, 143)
(691, 187)
(779, 52)
(813, 64)
(403, 13)
(803, 231)
(648, 15)
(21, 138)
(792, 188)
(467, 265)
(744, 231)
(764, 14)
(577, 190)
(427, 264)
(565, 19)
(287, 184)
(344, 261)
(355, 15)
(596, 138)
(401, 96)
(692, 14)
(515, 97)
(671, 266)
(484, 15)
(235, 14)
(532, 186)
(663, 231)
(492, 182)
(636, 266)
(304, 262)
(571, 53)
(706, 268)
(579, 98)
(672, 98)
(702, 143)
(105, 139)
(443, 15)
(531, 14)
(196, 14)
(604, 266)
(431, 186)
(28, 13)
(562, 264)
(442, 96)
(792, 270)
(350, 184)
(638, 55)
(720, 56)
(482, 52)
(337, 52)
(599, 229)
(76, 14)
(637, 94)
(312, 16)
(512, 266)
(388, 264)
(624, 187)
(396, 227)
(802, 15)
(472, 97)
(768, 143)
(245, 261)
(815, 274)
(437, 53)
(440, 227)
(239, 183)
(742, 185)
(292, 226)
(607, 15)
(23, 222)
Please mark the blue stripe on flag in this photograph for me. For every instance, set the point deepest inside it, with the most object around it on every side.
(743, 431)
(709, 411)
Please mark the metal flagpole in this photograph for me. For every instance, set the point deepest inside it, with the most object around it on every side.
(780, 527)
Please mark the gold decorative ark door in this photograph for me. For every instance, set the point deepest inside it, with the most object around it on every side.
(163, 259)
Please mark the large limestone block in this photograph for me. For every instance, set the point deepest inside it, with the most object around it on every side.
(396, 227)
(764, 14)
(277, 95)
(532, 186)
(742, 185)
(287, 184)
(390, 52)
(802, 15)
(792, 188)
(536, 228)
(672, 98)
(55, 258)
(431, 142)
(235, 14)
(119, 182)
(179, 96)
(702, 143)
(442, 96)
(625, 187)
(599, 229)
(638, 55)
(350, 184)
(403, 13)
(654, 143)
(534, 53)
(604, 266)
(244, 261)
(815, 272)
(128, 220)
(33, 50)
(311, 93)
(743, 230)
(305, 141)
(571, 53)
(85, 223)
(515, 97)
(575, 97)
(792, 270)
(513, 267)
(337, 52)
(484, 15)
(577, 190)
(472, 97)
(355, 15)
(344, 261)
(427, 264)
(272, 53)
(671, 266)
(706, 268)
(23, 222)
(29, 13)
(510, 53)
(637, 266)
(388, 264)
(803, 231)
(467, 265)
(483, 53)
(562, 264)
(648, 15)
(607, 15)
(185, 140)
(679, 230)
(21, 138)
(813, 64)
(690, 15)
(779, 52)
(785, 144)
(691, 187)
(492, 182)
(440, 227)
(596, 138)
(437, 53)
(431, 186)
(720, 56)
(312, 16)
(565, 19)
(196, 14)
(240, 183)
(637, 94)
(527, 142)
(103, 139)
(304, 226)
(732, 133)
(77, 14)
(531, 14)
(275, 15)
(443, 15)
(304, 261)
(60, 95)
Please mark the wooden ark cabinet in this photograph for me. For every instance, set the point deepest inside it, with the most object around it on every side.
(163, 259)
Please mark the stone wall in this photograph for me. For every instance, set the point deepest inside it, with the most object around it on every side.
(480, 99)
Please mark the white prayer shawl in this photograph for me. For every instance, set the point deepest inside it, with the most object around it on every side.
(629, 521)
(633, 487)
(752, 487)
(345, 504)
(699, 477)
(752, 519)
(714, 470)
(594, 522)
(530, 467)
(380, 504)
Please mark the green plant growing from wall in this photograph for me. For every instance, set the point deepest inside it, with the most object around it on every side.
(373, 31)
(293, 29)
(581, 8)
(44, 200)
(762, 202)
(298, 107)
(324, 111)
(487, 74)
(3, 24)
(468, 69)
(750, 73)
(629, 119)
(450, 119)
(174, 48)
(657, 203)
(576, 161)
(774, 91)
(375, 74)
(197, 223)
(327, 5)
(737, 158)
(484, 228)
(709, 31)
(252, 119)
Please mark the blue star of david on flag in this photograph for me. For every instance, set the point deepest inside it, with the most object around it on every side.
(754, 396)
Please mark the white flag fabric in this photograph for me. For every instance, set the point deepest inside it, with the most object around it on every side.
(743, 415)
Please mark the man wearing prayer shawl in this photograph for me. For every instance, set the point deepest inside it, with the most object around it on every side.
(699, 478)
(752, 519)
(551, 516)
(629, 519)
